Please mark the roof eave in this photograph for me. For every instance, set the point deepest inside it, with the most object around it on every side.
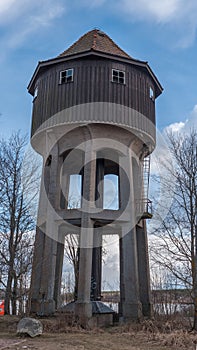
(59, 59)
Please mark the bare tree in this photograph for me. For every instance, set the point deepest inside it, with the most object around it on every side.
(72, 254)
(175, 243)
(18, 190)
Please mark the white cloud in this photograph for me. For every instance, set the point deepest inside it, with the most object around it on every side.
(5, 6)
(152, 9)
(21, 18)
(177, 16)
(175, 127)
(24, 9)
(162, 163)
(185, 126)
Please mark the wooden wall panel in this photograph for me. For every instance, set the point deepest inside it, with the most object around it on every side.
(92, 83)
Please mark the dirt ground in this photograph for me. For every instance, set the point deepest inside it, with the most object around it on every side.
(130, 337)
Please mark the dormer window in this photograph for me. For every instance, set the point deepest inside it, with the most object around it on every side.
(118, 76)
(66, 76)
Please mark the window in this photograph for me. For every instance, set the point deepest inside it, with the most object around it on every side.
(118, 76)
(151, 93)
(66, 76)
(36, 92)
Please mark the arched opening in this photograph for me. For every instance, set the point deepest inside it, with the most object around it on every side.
(111, 192)
(111, 271)
(71, 179)
(107, 180)
(70, 270)
(74, 191)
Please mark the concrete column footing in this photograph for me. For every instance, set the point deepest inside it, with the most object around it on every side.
(132, 311)
(83, 313)
(43, 307)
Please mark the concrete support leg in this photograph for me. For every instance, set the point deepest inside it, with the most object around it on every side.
(36, 271)
(97, 243)
(43, 277)
(58, 270)
(143, 268)
(83, 306)
(48, 277)
(129, 284)
(130, 305)
(96, 267)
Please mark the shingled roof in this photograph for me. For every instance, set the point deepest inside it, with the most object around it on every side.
(95, 40)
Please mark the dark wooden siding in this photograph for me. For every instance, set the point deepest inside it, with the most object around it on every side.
(92, 83)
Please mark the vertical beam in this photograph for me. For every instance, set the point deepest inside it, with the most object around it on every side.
(36, 277)
(99, 182)
(83, 306)
(35, 297)
(96, 267)
(143, 268)
(129, 288)
(59, 266)
(46, 242)
(97, 250)
(129, 282)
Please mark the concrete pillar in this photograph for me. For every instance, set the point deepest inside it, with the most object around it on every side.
(48, 277)
(99, 182)
(143, 270)
(96, 267)
(97, 250)
(59, 266)
(83, 306)
(46, 242)
(129, 285)
(129, 282)
(36, 276)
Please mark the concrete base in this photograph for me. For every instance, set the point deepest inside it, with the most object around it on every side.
(83, 313)
(90, 315)
(131, 311)
(42, 307)
(101, 320)
(147, 310)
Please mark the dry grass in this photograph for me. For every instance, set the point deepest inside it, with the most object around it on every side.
(63, 333)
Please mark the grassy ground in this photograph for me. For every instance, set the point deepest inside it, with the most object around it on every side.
(146, 336)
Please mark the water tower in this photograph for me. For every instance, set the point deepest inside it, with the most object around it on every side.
(93, 122)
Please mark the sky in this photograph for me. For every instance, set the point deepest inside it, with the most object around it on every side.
(160, 32)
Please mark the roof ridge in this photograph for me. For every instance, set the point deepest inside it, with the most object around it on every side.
(92, 40)
(117, 45)
(72, 45)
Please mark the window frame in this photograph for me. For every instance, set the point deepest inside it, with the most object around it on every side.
(66, 77)
(118, 71)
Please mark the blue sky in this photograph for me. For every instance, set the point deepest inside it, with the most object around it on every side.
(163, 33)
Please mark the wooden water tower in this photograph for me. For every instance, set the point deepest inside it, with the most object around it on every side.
(93, 117)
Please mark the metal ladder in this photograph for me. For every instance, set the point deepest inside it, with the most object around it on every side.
(145, 201)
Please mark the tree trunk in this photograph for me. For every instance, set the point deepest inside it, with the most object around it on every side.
(195, 291)
(76, 273)
(14, 296)
(8, 293)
